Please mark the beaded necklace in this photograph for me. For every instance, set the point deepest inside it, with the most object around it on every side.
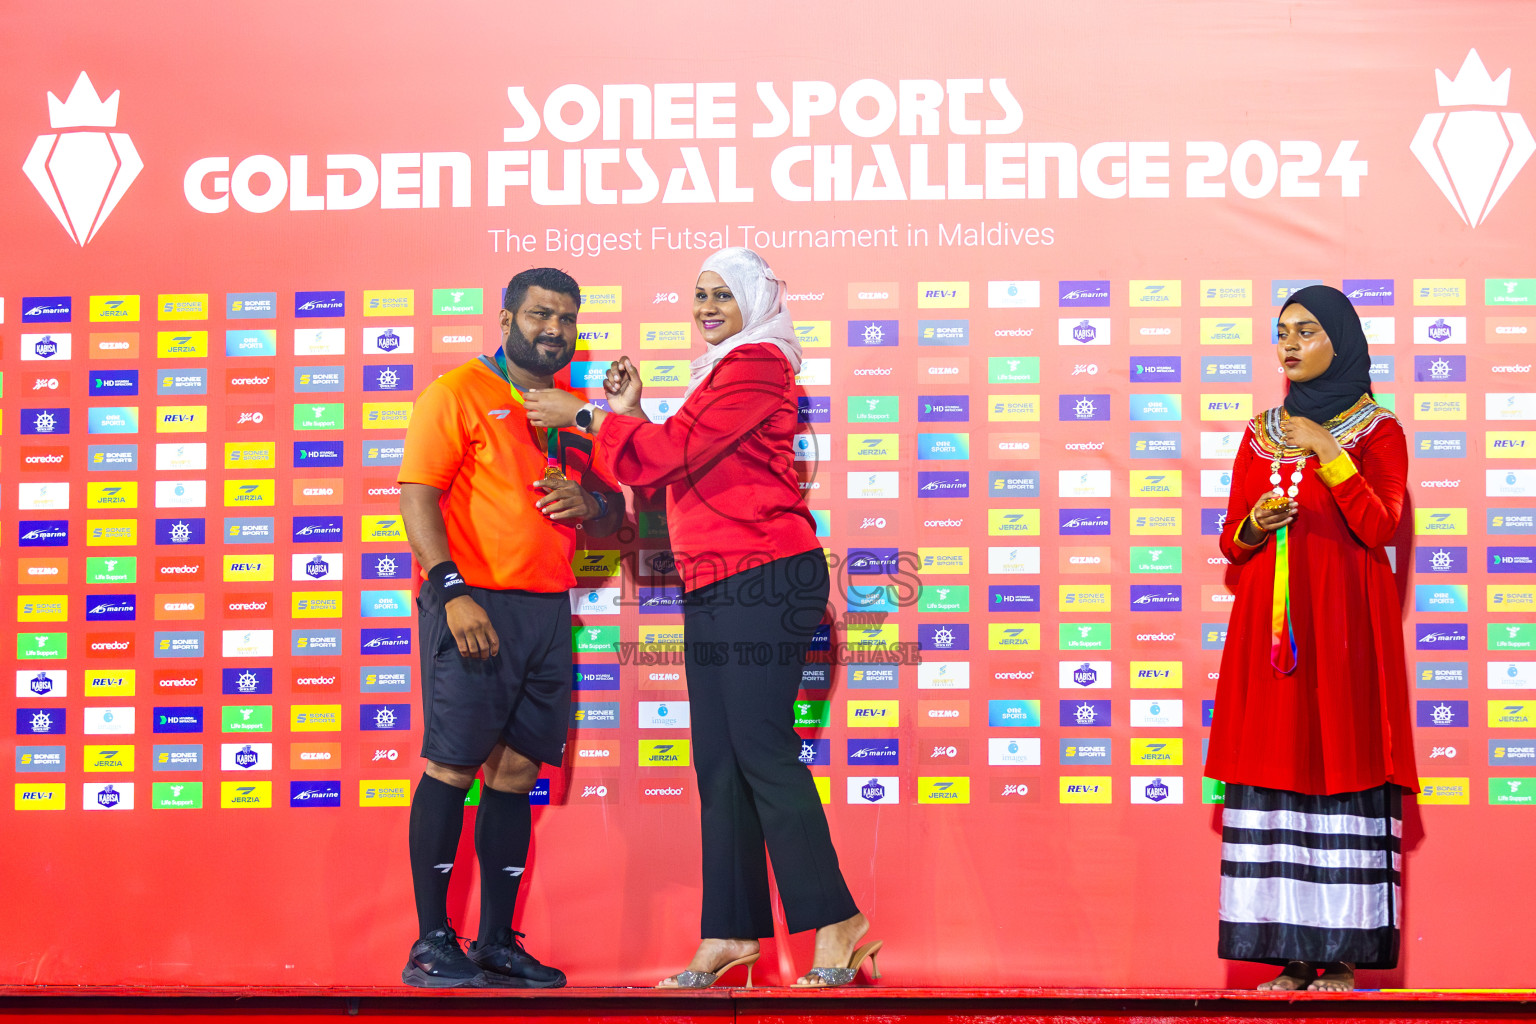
(1269, 441)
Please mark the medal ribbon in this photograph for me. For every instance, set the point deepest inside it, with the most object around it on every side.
(1282, 645)
(552, 437)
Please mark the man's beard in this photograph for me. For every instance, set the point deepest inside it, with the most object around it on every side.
(526, 354)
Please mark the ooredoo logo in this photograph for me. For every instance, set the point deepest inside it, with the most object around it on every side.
(1472, 154)
(82, 175)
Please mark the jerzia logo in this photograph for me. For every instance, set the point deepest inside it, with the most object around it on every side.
(81, 175)
(1473, 154)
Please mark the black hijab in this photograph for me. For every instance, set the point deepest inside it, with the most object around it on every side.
(1349, 375)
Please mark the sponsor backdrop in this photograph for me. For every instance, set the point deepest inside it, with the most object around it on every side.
(1034, 255)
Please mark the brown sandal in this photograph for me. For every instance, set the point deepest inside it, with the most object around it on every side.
(1334, 981)
(1295, 976)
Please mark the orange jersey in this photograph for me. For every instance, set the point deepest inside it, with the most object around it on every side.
(470, 438)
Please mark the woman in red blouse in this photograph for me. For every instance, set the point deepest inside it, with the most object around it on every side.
(755, 582)
(1311, 730)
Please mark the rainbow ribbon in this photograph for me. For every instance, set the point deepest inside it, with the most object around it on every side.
(1282, 645)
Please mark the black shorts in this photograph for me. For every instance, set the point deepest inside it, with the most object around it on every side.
(522, 696)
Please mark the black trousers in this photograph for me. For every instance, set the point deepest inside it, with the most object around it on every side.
(745, 642)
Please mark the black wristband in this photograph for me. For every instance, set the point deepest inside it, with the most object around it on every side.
(447, 581)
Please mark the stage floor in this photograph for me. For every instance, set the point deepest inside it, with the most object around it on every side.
(875, 1004)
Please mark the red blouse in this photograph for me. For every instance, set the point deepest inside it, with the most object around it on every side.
(1339, 723)
(727, 462)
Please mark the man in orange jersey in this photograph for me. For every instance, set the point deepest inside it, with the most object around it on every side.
(492, 506)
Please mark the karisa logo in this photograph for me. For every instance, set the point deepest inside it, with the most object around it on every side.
(1473, 155)
(81, 175)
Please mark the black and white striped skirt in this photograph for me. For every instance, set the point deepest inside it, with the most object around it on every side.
(1314, 878)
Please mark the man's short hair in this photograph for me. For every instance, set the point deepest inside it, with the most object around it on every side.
(548, 278)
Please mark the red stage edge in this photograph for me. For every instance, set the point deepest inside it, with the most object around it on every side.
(872, 1004)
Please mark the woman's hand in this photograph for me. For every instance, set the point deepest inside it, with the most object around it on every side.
(1263, 520)
(552, 407)
(1301, 432)
(622, 383)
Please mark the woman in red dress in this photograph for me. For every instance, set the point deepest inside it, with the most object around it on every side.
(755, 589)
(1311, 730)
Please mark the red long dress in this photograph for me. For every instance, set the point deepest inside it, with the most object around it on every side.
(1339, 723)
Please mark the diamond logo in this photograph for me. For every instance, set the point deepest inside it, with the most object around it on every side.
(81, 175)
(1473, 154)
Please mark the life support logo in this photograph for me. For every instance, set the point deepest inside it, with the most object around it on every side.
(82, 174)
(1472, 155)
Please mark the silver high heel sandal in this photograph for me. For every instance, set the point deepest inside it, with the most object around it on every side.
(704, 979)
(834, 977)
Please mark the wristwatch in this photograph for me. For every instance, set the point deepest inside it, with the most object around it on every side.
(584, 417)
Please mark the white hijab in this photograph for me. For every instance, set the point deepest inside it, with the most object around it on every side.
(765, 317)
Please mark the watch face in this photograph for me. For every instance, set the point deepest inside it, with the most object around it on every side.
(584, 418)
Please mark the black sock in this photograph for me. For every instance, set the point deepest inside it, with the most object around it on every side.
(503, 828)
(437, 818)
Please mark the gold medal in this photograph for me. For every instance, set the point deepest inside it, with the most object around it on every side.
(552, 472)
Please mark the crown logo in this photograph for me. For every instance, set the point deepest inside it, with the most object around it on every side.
(1472, 87)
(85, 109)
(1472, 155)
(82, 175)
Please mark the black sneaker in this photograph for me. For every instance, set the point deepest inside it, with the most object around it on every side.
(438, 962)
(506, 963)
